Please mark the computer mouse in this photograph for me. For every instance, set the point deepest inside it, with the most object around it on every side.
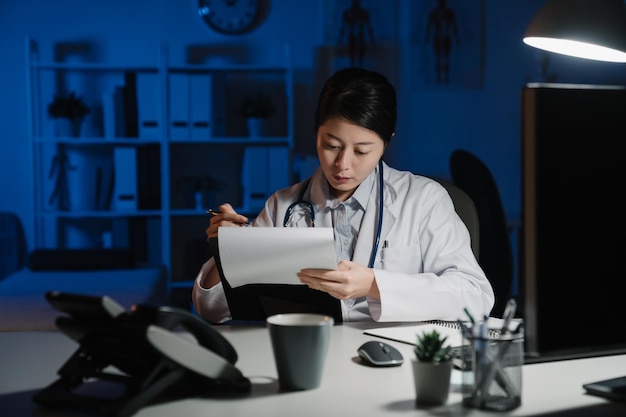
(378, 353)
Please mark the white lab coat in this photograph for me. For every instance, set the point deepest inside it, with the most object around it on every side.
(425, 268)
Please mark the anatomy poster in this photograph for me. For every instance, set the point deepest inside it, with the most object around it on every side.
(446, 44)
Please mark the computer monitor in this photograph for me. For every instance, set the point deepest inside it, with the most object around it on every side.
(573, 224)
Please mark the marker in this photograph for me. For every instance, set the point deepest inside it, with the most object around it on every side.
(215, 213)
(509, 312)
(469, 315)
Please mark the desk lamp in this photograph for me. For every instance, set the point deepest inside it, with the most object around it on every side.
(590, 29)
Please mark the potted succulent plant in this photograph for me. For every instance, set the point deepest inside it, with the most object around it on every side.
(69, 109)
(432, 368)
(257, 108)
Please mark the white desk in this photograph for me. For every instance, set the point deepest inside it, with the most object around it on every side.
(29, 361)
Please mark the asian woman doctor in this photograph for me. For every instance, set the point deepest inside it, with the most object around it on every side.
(403, 253)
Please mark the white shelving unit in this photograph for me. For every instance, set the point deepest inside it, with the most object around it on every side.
(183, 135)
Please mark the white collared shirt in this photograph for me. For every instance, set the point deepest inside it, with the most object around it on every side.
(347, 216)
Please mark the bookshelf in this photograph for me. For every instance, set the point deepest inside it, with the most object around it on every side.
(162, 143)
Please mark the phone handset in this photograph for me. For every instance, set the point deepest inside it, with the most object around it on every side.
(213, 356)
(171, 318)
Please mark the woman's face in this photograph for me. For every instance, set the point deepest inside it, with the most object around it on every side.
(348, 154)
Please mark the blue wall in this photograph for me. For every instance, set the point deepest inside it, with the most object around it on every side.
(432, 122)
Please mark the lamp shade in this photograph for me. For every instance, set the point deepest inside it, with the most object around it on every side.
(591, 29)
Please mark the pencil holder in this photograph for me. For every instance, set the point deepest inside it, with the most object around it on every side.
(492, 376)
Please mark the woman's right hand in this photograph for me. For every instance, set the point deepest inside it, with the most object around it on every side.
(227, 217)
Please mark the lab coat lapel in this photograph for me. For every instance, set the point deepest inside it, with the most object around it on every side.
(367, 234)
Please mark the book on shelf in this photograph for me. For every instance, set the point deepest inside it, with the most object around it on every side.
(148, 177)
(131, 129)
(125, 178)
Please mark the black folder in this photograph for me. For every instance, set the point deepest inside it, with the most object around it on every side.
(256, 302)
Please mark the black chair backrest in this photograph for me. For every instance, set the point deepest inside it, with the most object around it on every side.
(12, 244)
(466, 209)
(495, 252)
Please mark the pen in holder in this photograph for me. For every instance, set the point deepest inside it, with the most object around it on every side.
(493, 378)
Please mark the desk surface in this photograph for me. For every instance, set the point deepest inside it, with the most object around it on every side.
(29, 361)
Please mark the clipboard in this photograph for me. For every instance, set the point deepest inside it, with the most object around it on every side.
(256, 302)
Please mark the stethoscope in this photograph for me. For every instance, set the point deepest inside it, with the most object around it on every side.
(307, 204)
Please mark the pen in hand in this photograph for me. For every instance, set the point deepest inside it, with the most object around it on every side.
(215, 213)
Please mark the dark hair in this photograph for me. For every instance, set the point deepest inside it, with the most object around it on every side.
(363, 97)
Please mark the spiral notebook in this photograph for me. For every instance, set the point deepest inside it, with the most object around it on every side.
(451, 329)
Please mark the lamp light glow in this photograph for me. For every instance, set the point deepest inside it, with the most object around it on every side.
(577, 49)
(581, 28)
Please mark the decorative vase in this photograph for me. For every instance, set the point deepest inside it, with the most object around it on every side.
(66, 128)
(256, 127)
(432, 382)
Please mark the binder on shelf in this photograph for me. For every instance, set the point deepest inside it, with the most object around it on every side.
(113, 113)
(179, 107)
(265, 170)
(200, 92)
(148, 100)
(125, 178)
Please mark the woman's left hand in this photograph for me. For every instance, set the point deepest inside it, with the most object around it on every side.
(349, 280)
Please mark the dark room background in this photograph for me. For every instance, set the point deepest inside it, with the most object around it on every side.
(478, 111)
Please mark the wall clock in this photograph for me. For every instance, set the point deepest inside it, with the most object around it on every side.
(232, 16)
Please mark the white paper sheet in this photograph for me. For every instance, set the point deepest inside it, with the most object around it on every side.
(273, 255)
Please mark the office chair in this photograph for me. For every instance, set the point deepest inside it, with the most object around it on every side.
(495, 250)
(466, 209)
(12, 244)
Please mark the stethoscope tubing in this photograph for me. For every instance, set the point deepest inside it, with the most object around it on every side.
(379, 227)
